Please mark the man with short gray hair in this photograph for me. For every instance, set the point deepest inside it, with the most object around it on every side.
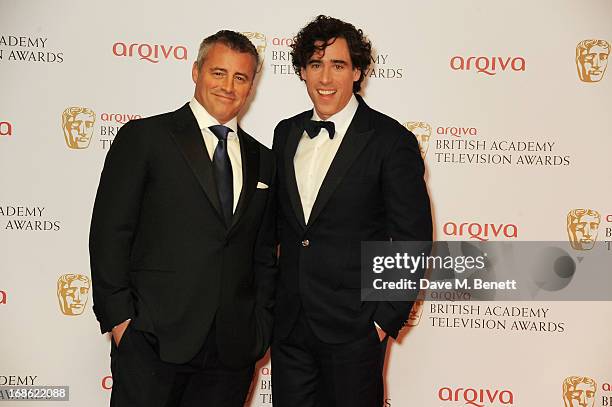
(182, 243)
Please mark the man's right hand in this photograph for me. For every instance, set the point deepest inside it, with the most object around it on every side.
(119, 330)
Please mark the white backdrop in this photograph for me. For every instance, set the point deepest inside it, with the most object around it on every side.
(55, 55)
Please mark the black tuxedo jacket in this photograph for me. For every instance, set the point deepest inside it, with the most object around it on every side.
(161, 253)
(373, 191)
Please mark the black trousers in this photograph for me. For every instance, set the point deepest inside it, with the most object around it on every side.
(307, 372)
(141, 379)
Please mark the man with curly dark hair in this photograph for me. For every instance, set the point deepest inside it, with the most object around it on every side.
(347, 174)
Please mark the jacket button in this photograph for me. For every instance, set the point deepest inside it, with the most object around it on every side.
(305, 242)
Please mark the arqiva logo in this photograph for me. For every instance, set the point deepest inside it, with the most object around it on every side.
(151, 53)
(488, 65)
(481, 231)
(477, 397)
(120, 118)
(6, 129)
(282, 41)
(107, 382)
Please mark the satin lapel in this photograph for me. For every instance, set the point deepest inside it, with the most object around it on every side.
(250, 169)
(188, 137)
(356, 138)
(294, 195)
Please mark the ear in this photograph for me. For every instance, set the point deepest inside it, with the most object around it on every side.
(195, 72)
(356, 74)
(302, 73)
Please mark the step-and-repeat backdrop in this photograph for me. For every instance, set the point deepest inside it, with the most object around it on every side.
(510, 101)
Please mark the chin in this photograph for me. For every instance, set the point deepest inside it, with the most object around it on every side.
(325, 108)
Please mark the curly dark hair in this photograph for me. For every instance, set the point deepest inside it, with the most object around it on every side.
(325, 28)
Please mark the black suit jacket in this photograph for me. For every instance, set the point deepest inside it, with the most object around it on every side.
(161, 253)
(373, 191)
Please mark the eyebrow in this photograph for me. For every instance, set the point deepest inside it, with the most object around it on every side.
(216, 68)
(333, 61)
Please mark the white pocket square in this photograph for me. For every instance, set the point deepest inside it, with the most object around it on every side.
(261, 185)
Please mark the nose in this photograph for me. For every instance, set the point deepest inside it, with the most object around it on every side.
(82, 129)
(228, 84)
(77, 296)
(326, 75)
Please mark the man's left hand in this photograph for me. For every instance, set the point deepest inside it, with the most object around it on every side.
(381, 334)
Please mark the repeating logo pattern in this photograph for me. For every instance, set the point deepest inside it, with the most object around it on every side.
(6, 128)
(422, 132)
(592, 59)
(78, 126)
(579, 391)
(259, 40)
(415, 313)
(72, 293)
(582, 228)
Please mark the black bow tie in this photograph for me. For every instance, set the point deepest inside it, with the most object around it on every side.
(313, 128)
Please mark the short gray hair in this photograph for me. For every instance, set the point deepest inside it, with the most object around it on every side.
(231, 39)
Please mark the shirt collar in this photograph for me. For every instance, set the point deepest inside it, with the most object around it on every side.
(205, 120)
(343, 118)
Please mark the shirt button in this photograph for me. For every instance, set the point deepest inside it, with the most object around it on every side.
(305, 242)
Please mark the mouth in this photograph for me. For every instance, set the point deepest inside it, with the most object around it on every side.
(225, 97)
(326, 92)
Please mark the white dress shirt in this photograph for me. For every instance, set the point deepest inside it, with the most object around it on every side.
(205, 120)
(314, 156)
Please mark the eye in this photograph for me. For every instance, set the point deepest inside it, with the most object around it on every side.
(603, 57)
(240, 78)
(339, 67)
(315, 65)
(217, 74)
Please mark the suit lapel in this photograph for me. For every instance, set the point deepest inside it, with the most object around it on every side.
(293, 140)
(249, 152)
(356, 138)
(188, 137)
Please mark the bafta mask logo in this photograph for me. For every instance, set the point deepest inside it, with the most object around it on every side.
(259, 40)
(72, 293)
(579, 391)
(422, 131)
(78, 126)
(415, 313)
(582, 228)
(592, 59)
